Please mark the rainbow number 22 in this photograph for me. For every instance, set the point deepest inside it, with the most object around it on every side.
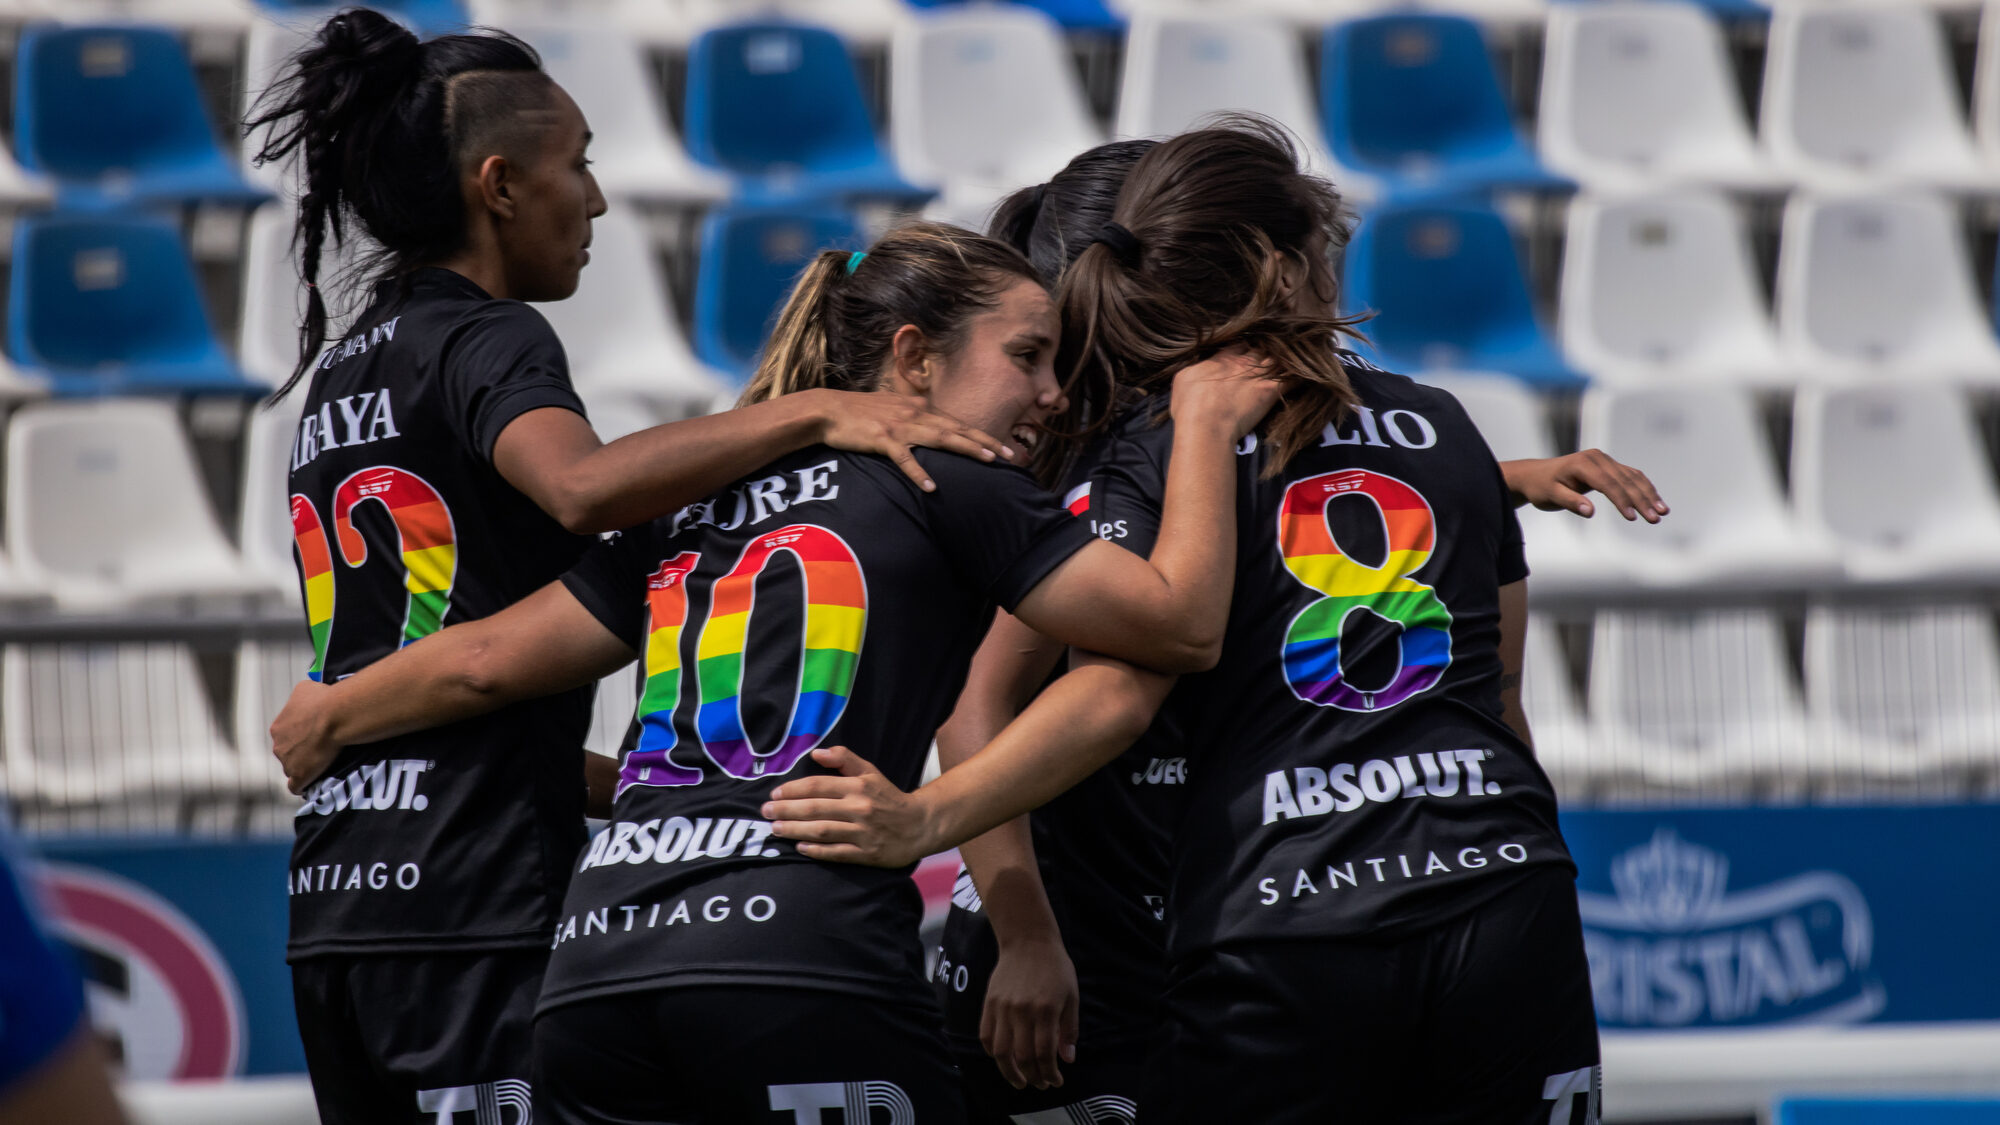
(836, 616)
(425, 536)
(1312, 644)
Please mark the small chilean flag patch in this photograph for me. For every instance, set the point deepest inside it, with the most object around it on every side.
(1078, 499)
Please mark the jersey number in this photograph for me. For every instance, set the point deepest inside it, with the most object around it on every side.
(836, 616)
(1312, 644)
(424, 534)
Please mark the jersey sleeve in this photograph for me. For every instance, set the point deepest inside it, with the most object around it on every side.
(1128, 484)
(610, 581)
(503, 361)
(41, 994)
(1000, 529)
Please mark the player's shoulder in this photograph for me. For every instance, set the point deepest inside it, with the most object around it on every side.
(1383, 390)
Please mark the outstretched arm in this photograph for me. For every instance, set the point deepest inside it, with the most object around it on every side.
(545, 643)
(1559, 483)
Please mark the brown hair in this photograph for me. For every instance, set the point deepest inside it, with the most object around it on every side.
(1215, 217)
(835, 330)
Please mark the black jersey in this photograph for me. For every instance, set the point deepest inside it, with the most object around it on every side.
(458, 837)
(824, 600)
(1349, 769)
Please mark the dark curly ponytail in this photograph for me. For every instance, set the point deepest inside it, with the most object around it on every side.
(381, 123)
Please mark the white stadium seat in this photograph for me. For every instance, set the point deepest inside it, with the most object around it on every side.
(84, 724)
(983, 100)
(266, 673)
(1661, 289)
(265, 519)
(611, 715)
(1864, 94)
(634, 151)
(15, 589)
(1703, 448)
(1703, 702)
(268, 45)
(1179, 70)
(1560, 559)
(267, 343)
(1986, 85)
(193, 15)
(660, 23)
(1880, 286)
(1563, 743)
(150, 536)
(1641, 95)
(619, 329)
(1911, 695)
(1899, 477)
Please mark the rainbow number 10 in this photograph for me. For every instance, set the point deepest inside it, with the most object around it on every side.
(836, 616)
(1312, 644)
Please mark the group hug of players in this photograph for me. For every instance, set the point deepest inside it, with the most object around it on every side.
(1253, 827)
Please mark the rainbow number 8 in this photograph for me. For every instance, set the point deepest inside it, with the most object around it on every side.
(1312, 644)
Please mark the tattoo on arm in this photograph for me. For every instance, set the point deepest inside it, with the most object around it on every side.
(1509, 681)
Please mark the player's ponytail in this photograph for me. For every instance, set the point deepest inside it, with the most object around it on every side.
(1213, 231)
(837, 328)
(379, 123)
(1051, 223)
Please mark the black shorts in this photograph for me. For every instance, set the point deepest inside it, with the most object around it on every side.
(420, 1038)
(1483, 1020)
(1100, 1088)
(723, 1055)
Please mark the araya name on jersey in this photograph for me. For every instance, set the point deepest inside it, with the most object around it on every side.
(389, 784)
(1382, 869)
(678, 838)
(755, 501)
(362, 419)
(659, 916)
(1311, 791)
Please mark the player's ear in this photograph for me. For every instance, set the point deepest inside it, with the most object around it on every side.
(493, 188)
(912, 362)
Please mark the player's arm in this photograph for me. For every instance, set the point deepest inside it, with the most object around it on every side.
(1559, 483)
(72, 1086)
(1513, 641)
(1169, 610)
(1029, 1021)
(553, 456)
(1082, 721)
(545, 643)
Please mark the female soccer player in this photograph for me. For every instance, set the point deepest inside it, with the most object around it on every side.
(700, 963)
(444, 469)
(1369, 907)
(1082, 963)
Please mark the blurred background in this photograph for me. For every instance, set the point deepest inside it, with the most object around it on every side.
(1748, 248)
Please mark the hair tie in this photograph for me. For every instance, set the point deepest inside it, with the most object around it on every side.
(1122, 242)
(854, 261)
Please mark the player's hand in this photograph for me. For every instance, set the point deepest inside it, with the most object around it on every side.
(299, 739)
(1559, 483)
(1235, 387)
(1029, 1024)
(857, 817)
(890, 424)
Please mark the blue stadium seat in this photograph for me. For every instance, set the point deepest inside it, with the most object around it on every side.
(1450, 292)
(110, 305)
(1074, 15)
(778, 105)
(749, 259)
(428, 17)
(1836, 1111)
(1414, 99)
(112, 113)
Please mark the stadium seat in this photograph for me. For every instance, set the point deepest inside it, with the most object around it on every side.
(1641, 94)
(779, 107)
(749, 260)
(1986, 86)
(614, 416)
(1863, 94)
(1073, 15)
(1662, 289)
(634, 152)
(190, 15)
(619, 329)
(15, 589)
(266, 673)
(88, 724)
(984, 99)
(1703, 703)
(647, 23)
(1881, 286)
(109, 305)
(150, 538)
(1564, 745)
(868, 24)
(1909, 696)
(1509, 415)
(113, 116)
(264, 526)
(267, 342)
(1450, 292)
(1181, 68)
(1413, 99)
(267, 46)
(428, 17)
(1899, 477)
(611, 716)
(1704, 449)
